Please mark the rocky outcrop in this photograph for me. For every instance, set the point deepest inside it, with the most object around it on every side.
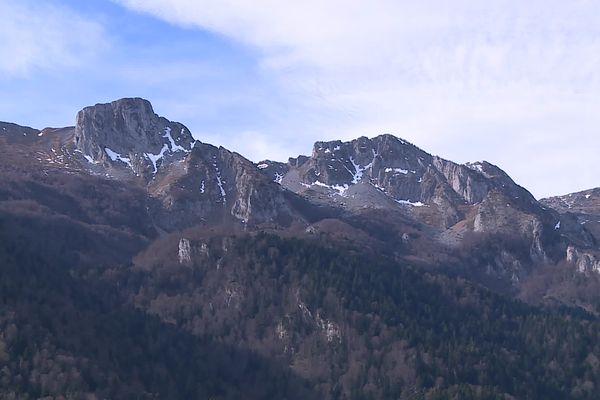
(194, 182)
(213, 184)
(584, 261)
(184, 253)
(127, 134)
(472, 185)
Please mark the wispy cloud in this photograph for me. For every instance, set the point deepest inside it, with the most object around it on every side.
(37, 35)
(462, 78)
(513, 82)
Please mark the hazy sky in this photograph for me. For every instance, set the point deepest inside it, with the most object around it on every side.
(516, 83)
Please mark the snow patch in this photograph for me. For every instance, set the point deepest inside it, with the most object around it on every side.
(155, 157)
(398, 170)
(278, 178)
(358, 171)
(174, 146)
(116, 156)
(381, 188)
(340, 189)
(262, 166)
(202, 188)
(220, 185)
(90, 159)
(557, 226)
(476, 166)
(410, 203)
(587, 196)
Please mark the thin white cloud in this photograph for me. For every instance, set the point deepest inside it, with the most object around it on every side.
(465, 78)
(41, 36)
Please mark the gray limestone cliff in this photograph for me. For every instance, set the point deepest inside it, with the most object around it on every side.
(194, 182)
(128, 134)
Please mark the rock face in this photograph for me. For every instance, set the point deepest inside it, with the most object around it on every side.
(128, 134)
(581, 208)
(204, 249)
(585, 262)
(195, 182)
(184, 253)
(451, 200)
(392, 173)
(212, 183)
(397, 173)
(580, 211)
(384, 188)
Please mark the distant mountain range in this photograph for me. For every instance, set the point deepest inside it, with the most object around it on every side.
(367, 269)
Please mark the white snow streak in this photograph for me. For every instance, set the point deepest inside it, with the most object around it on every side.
(398, 170)
(116, 156)
(155, 157)
(220, 184)
(340, 189)
(174, 146)
(410, 203)
(278, 178)
(90, 159)
(358, 171)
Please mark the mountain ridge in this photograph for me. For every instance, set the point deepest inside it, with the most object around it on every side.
(190, 182)
(368, 269)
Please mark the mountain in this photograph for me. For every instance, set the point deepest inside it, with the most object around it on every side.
(584, 209)
(138, 262)
(584, 206)
(454, 205)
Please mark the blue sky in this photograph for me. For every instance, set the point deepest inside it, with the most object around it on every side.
(515, 83)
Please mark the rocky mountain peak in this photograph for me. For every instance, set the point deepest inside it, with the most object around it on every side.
(398, 170)
(127, 133)
(341, 164)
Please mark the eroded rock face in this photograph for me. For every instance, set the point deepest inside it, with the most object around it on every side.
(212, 184)
(584, 261)
(388, 172)
(400, 170)
(128, 134)
(452, 199)
(194, 182)
(185, 251)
